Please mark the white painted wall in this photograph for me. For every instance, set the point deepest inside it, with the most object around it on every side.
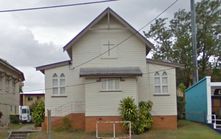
(128, 54)
(162, 105)
(74, 93)
(107, 103)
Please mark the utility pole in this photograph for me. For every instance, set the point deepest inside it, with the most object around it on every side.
(193, 29)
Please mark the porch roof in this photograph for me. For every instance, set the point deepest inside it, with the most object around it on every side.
(112, 71)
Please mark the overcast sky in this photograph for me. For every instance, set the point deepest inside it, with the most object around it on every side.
(33, 38)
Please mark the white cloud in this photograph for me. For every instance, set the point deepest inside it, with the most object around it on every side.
(33, 38)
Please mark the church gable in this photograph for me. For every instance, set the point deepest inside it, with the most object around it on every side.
(108, 20)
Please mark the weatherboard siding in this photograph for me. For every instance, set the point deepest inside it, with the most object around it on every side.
(74, 93)
(107, 103)
(131, 53)
(165, 104)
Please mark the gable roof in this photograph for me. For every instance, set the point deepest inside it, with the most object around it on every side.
(53, 65)
(164, 63)
(108, 10)
(9, 66)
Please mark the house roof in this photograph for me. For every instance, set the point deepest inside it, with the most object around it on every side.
(6, 64)
(113, 71)
(33, 94)
(107, 11)
(30, 93)
(164, 63)
(53, 65)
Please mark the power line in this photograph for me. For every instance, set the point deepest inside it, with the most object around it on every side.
(121, 42)
(116, 46)
(54, 6)
(80, 84)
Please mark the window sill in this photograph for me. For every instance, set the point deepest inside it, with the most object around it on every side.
(110, 91)
(55, 96)
(161, 94)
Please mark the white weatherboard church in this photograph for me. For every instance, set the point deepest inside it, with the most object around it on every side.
(103, 70)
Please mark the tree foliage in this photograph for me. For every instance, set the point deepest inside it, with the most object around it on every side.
(38, 113)
(140, 116)
(173, 39)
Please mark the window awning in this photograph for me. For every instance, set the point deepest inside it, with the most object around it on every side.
(113, 71)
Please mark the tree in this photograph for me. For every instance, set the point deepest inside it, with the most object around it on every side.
(38, 113)
(173, 38)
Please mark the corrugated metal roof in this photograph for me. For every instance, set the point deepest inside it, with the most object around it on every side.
(112, 71)
(53, 65)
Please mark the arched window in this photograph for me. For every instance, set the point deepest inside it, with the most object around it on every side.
(164, 83)
(62, 84)
(161, 83)
(157, 82)
(58, 83)
(55, 84)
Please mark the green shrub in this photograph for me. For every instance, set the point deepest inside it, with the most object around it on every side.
(144, 115)
(32, 107)
(140, 117)
(14, 119)
(38, 113)
(128, 111)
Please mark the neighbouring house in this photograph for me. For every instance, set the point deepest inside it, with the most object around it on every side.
(106, 66)
(203, 101)
(28, 99)
(11, 81)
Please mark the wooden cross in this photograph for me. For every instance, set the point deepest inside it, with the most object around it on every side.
(109, 46)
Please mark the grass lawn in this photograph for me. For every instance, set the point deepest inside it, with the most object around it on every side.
(4, 131)
(186, 130)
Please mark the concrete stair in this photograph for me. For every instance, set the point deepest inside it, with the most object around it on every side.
(18, 135)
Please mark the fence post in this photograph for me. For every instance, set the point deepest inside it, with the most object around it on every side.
(49, 124)
(129, 129)
(96, 129)
(114, 130)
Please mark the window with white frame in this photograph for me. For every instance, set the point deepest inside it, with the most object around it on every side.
(62, 84)
(55, 84)
(110, 84)
(58, 83)
(161, 83)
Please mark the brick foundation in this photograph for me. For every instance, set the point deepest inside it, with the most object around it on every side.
(165, 122)
(77, 121)
(90, 123)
